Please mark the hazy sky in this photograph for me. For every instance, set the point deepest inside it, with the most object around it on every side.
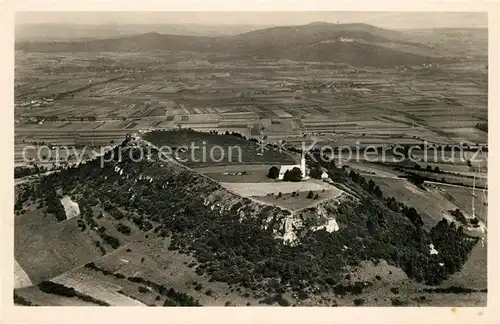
(381, 19)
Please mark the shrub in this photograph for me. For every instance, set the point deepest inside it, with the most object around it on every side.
(169, 302)
(359, 301)
(111, 241)
(397, 301)
(273, 173)
(124, 229)
(293, 175)
(50, 287)
(315, 173)
(283, 302)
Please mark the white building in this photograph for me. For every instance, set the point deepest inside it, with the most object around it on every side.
(301, 166)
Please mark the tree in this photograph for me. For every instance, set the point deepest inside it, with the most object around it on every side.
(293, 175)
(310, 195)
(273, 173)
(331, 165)
(459, 216)
(416, 179)
(396, 301)
(359, 301)
(315, 173)
(371, 185)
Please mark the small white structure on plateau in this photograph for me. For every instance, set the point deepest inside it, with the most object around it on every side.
(301, 166)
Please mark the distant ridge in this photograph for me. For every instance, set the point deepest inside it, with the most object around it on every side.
(357, 44)
(70, 32)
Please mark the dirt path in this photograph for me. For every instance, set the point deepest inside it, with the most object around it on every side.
(32, 178)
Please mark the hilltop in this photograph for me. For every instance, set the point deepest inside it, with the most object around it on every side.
(136, 227)
(69, 32)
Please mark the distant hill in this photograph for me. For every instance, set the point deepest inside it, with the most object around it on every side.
(71, 32)
(459, 41)
(356, 44)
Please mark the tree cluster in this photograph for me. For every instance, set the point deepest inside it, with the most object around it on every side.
(294, 175)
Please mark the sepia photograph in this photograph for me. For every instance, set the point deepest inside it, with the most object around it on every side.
(252, 159)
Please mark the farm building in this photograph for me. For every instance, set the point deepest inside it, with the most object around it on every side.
(285, 168)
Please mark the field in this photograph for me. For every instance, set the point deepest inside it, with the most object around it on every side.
(98, 289)
(113, 94)
(262, 189)
(475, 271)
(195, 149)
(432, 206)
(244, 173)
(43, 257)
